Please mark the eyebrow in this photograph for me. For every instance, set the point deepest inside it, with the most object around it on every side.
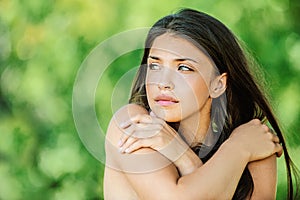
(178, 59)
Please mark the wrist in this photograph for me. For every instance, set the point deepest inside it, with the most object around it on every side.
(182, 156)
(188, 162)
(235, 148)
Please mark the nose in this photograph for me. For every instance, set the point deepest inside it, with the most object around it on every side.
(166, 85)
(166, 82)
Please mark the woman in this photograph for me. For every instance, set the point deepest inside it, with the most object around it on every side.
(185, 135)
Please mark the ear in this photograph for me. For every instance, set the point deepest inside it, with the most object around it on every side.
(218, 86)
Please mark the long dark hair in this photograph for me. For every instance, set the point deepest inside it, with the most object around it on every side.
(245, 99)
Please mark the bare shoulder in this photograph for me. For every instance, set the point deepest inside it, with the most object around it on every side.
(141, 161)
(115, 166)
(264, 174)
(138, 170)
(122, 115)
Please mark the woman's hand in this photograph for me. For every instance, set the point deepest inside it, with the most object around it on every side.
(149, 131)
(256, 140)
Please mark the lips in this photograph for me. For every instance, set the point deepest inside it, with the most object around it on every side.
(165, 100)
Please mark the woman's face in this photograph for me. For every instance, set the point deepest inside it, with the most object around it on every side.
(178, 80)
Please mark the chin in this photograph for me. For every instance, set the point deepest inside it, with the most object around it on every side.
(168, 115)
(170, 118)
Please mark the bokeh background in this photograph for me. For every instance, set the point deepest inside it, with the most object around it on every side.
(44, 42)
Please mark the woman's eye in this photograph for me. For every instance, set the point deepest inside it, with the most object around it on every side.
(184, 68)
(154, 66)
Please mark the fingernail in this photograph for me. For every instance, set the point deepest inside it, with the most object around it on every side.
(123, 124)
(152, 114)
(121, 150)
(120, 143)
(127, 150)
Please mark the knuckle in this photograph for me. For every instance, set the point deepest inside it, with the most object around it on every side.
(137, 117)
(147, 116)
(265, 127)
(143, 118)
(255, 121)
(270, 135)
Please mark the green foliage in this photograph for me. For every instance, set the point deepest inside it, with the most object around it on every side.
(43, 43)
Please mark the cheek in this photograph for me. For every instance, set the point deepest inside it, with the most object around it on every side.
(196, 92)
(201, 92)
(151, 91)
(201, 89)
(151, 86)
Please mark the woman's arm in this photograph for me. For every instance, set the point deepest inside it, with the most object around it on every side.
(217, 178)
(141, 127)
(153, 177)
(264, 174)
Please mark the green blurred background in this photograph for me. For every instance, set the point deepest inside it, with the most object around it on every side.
(42, 45)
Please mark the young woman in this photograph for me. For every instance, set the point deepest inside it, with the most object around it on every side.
(195, 126)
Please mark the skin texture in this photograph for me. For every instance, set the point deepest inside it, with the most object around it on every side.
(181, 80)
(171, 72)
(180, 70)
(135, 173)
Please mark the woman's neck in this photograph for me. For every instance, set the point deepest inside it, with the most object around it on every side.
(195, 128)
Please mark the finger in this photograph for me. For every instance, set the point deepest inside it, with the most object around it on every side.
(266, 128)
(123, 139)
(255, 121)
(152, 114)
(149, 119)
(128, 143)
(275, 139)
(126, 134)
(279, 149)
(134, 119)
(147, 130)
(141, 118)
(140, 130)
(125, 124)
(138, 144)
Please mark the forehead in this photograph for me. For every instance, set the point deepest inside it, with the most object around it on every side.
(178, 47)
